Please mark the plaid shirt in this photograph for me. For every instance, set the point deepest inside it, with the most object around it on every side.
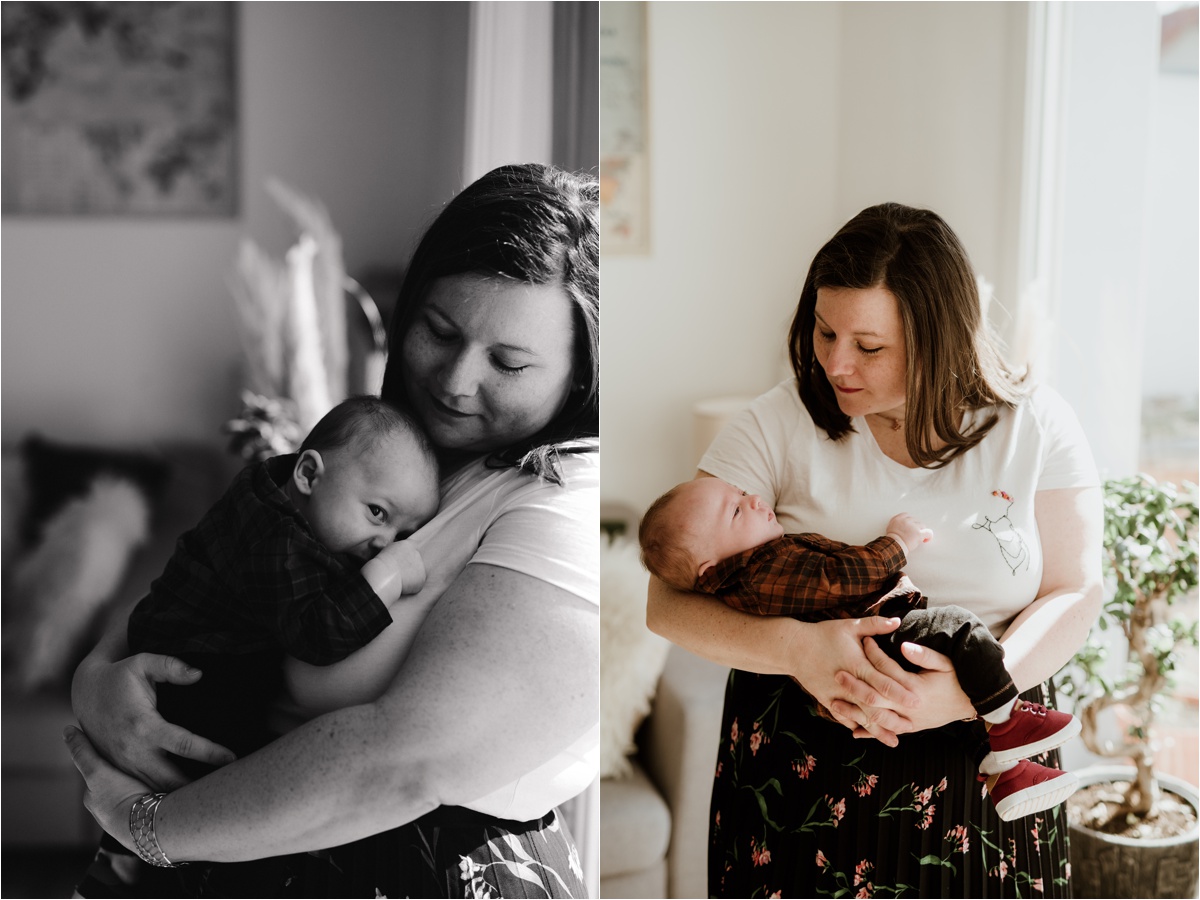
(252, 577)
(809, 577)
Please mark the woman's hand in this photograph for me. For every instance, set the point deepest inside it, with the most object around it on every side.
(939, 698)
(115, 702)
(832, 664)
(110, 793)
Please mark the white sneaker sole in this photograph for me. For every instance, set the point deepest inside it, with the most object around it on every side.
(1037, 797)
(1003, 758)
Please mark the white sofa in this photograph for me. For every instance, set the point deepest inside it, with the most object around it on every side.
(654, 824)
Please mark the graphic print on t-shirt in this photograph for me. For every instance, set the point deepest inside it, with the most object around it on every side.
(1008, 538)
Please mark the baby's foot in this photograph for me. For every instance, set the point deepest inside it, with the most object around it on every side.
(1028, 788)
(1030, 730)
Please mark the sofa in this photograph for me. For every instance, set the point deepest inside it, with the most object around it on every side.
(41, 794)
(654, 823)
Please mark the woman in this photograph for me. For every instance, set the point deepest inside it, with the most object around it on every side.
(451, 737)
(900, 403)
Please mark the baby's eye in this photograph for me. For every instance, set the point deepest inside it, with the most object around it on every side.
(378, 513)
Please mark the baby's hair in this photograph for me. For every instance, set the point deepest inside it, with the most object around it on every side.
(358, 424)
(664, 550)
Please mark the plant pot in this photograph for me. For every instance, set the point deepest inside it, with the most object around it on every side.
(1104, 865)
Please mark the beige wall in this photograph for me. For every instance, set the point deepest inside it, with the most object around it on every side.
(771, 125)
(121, 330)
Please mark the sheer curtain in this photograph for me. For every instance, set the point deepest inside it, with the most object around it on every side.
(532, 86)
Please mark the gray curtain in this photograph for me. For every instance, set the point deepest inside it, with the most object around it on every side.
(577, 86)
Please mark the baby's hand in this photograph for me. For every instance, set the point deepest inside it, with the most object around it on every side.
(404, 557)
(911, 533)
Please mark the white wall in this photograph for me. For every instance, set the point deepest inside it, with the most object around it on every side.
(932, 116)
(118, 330)
(742, 184)
(770, 126)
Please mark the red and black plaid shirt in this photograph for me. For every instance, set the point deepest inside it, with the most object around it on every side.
(810, 577)
(252, 577)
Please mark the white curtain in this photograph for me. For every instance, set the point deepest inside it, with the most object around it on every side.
(510, 99)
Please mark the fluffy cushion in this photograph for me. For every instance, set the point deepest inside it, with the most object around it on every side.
(631, 656)
(64, 582)
(73, 517)
(53, 474)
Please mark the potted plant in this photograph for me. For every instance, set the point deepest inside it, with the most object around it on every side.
(1129, 838)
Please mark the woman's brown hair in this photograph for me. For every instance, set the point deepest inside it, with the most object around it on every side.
(529, 223)
(954, 363)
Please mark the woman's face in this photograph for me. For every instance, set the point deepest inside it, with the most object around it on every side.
(487, 362)
(859, 342)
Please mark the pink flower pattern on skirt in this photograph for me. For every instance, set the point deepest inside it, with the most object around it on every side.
(800, 808)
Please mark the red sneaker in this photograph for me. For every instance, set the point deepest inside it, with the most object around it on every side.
(1030, 730)
(1027, 788)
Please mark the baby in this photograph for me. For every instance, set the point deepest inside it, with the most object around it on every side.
(299, 557)
(706, 535)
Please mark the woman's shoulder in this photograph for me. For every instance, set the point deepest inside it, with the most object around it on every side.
(1044, 410)
(777, 414)
(1044, 420)
(577, 464)
(759, 445)
(783, 400)
(578, 467)
(544, 529)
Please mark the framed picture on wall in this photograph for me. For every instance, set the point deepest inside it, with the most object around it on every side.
(624, 138)
(119, 109)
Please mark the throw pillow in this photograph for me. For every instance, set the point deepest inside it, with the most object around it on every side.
(632, 657)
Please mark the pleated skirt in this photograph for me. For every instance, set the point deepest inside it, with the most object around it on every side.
(802, 809)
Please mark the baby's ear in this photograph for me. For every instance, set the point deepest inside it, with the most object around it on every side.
(309, 469)
(704, 567)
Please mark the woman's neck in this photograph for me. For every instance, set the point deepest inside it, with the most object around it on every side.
(891, 441)
(891, 436)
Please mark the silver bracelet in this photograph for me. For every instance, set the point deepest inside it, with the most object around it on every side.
(141, 827)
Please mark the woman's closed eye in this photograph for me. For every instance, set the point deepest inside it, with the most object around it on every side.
(440, 330)
(507, 368)
(828, 337)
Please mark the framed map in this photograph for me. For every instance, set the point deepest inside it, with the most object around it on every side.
(118, 109)
(624, 157)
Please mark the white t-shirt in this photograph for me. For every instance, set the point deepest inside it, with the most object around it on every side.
(986, 552)
(504, 518)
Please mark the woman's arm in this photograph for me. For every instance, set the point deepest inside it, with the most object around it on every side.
(1048, 632)
(504, 674)
(1045, 635)
(812, 653)
(114, 699)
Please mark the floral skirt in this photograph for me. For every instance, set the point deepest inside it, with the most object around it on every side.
(451, 852)
(802, 809)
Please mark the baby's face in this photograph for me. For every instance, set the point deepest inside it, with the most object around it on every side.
(362, 502)
(724, 520)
